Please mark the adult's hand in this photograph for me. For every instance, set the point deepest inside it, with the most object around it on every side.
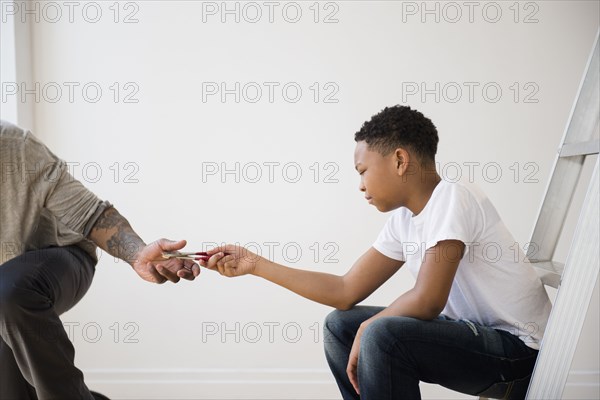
(152, 267)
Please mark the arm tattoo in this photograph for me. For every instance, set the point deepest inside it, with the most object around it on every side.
(113, 233)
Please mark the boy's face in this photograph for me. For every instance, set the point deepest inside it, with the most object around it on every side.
(381, 177)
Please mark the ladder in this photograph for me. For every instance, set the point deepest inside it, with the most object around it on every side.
(575, 280)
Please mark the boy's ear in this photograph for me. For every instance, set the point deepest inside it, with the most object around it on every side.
(402, 160)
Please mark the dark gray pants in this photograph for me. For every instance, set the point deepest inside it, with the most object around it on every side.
(36, 355)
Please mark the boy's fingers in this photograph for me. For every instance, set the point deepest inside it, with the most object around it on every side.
(216, 250)
(207, 265)
(352, 377)
(228, 259)
(228, 248)
(221, 268)
(351, 370)
(214, 258)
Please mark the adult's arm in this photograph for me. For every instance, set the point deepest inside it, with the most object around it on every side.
(114, 234)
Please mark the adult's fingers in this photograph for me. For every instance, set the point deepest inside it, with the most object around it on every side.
(170, 245)
(189, 274)
(165, 272)
(186, 274)
(195, 270)
(147, 272)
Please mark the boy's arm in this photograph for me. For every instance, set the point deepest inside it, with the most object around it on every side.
(429, 296)
(369, 272)
(425, 300)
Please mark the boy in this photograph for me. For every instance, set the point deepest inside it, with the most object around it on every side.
(475, 317)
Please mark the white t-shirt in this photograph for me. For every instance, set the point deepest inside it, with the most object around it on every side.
(493, 286)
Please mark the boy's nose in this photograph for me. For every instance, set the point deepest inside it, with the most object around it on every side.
(361, 187)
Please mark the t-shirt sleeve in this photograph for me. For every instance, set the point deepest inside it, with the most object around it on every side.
(65, 197)
(455, 215)
(388, 242)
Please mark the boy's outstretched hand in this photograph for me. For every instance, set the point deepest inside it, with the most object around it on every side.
(232, 260)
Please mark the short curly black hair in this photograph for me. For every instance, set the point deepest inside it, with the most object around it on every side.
(400, 126)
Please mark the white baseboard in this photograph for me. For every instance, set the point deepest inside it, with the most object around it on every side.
(266, 383)
(583, 385)
(213, 383)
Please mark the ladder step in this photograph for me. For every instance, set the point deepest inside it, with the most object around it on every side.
(580, 149)
(549, 272)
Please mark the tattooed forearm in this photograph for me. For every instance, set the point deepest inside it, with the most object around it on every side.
(113, 234)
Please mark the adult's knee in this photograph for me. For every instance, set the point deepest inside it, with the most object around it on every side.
(10, 299)
(19, 292)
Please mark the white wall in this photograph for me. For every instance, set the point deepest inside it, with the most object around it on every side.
(15, 65)
(8, 73)
(162, 144)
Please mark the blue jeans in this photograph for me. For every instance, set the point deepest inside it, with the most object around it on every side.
(396, 353)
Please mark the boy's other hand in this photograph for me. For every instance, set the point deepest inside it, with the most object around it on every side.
(231, 260)
(352, 367)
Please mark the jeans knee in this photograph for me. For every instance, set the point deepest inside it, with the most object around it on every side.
(331, 327)
(333, 321)
(340, 328)
(375, 333)
(387, 331)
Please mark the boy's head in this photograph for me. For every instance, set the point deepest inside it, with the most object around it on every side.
(395, 151)
(400, 126)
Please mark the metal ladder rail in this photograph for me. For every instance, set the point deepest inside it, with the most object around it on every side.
(582, 265)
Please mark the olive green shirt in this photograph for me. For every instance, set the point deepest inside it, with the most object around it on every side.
(41, 204)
